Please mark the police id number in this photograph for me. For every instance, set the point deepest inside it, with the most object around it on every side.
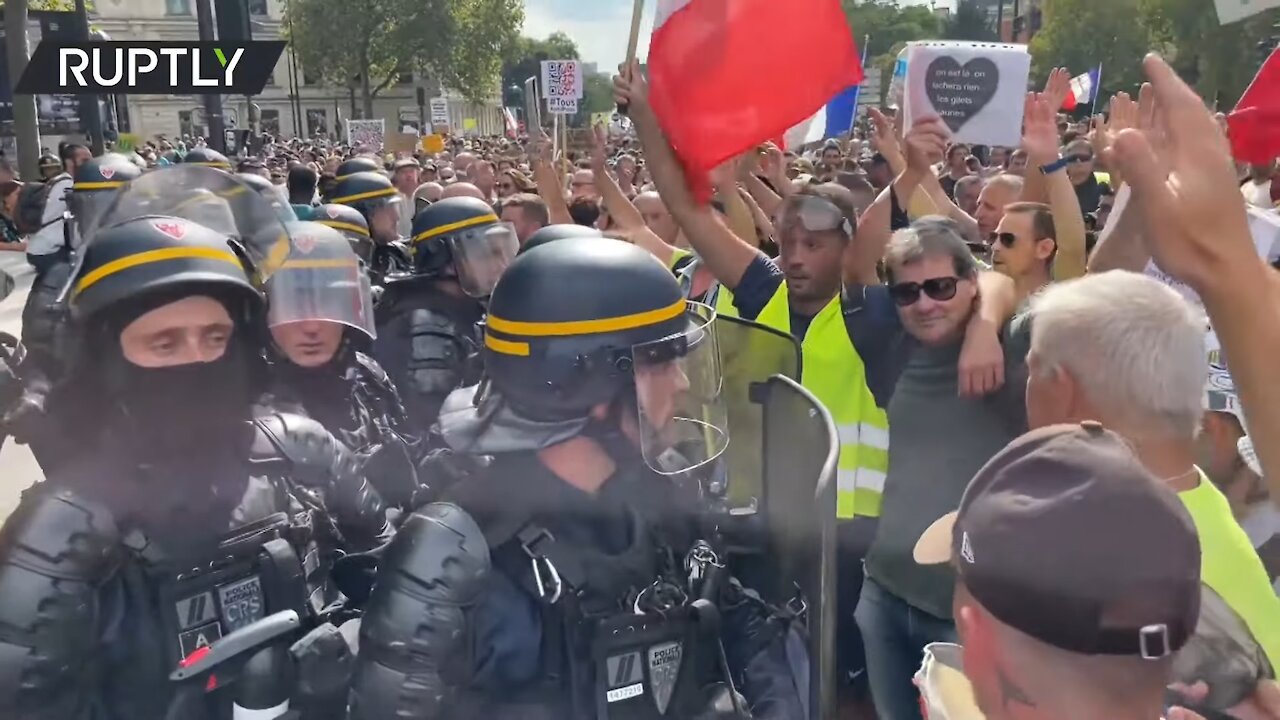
(241, 603)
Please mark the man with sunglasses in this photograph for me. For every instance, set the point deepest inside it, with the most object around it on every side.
(1024, 246)
(1080, 169)
(940, 440)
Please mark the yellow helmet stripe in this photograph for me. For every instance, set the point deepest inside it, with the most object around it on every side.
(336, 225)
(102, 185)
(154, 256)
(385, 192)
(445, 229)
(586, 327)
(506, 347)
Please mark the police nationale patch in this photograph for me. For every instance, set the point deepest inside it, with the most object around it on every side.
(305, 243)
(107, 172)
(175, 230)
(664, 671)
(332, 212)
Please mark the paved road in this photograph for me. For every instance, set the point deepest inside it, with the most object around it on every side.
(18, 469)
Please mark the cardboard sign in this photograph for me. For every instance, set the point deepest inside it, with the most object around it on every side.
(401, 143)
(439, 111)
(433, 144)
(367, 134)
(977, 89)
(128, 142)
(562, 79)
(562, 106)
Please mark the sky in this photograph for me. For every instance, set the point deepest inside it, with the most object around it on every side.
(601, 27)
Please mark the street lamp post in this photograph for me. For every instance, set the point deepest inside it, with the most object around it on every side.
(216, 138)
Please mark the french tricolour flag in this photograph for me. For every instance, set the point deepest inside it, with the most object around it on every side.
(1083, 89)
(727, 75)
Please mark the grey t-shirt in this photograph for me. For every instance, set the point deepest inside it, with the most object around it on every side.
(938, 442)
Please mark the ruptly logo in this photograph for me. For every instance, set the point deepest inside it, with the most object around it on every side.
(150, 68)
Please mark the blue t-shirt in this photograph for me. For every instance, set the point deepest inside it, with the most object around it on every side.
(869, 316)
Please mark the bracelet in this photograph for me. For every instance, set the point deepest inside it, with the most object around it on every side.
(1054, 166)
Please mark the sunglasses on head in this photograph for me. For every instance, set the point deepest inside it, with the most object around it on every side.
(1005, 239)
(940, 289)
(1078, 159)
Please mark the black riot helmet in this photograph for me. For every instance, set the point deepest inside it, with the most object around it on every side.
(322, 281)
(551, 233)
(269, 191)
(206, 157)
(354, 165)
(94, 186)
(349, 222)
(581, 322)
(463, 238)
(373, 195)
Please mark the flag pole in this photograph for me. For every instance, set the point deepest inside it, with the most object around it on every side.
(1097, 90)
(857, 94)
(633, 43)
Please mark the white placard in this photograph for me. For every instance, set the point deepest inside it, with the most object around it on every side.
(367, 134)
(978, 89)
(561, 79)
(439, 111)
(562, 106)
(1230, 11)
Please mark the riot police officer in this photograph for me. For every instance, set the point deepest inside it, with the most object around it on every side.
(561, 582)
(207, 157)
(426, 322)
(179, 518)
(359, 163)
(551, 233)
(348, 221)
(320, 313)
(374, 197)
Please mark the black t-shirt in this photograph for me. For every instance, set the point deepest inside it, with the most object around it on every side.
(870, 318)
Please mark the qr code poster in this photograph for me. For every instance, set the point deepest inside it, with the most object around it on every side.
(561, 79)
(366, 134)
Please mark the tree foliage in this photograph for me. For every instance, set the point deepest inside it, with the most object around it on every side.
(372, 42)
(969, 22)
(885, 28)
(1217, 60)
(524, 57)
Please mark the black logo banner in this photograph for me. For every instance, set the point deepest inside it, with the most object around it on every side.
(150, 68)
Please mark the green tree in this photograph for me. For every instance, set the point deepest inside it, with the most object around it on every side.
(523, 60)
(969, 22)
(1218, 60)
(885, 28)
(371, 43)
(1081, 34)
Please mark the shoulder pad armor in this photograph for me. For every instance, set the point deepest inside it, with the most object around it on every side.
(432, 574)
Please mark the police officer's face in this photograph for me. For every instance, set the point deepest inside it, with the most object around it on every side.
(659, 388)
(194, 329)
(309, 343)
(382, 223)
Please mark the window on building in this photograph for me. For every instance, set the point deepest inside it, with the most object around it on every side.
(309, 78)
(269, 122)
(177, 7)
(258, 8)
(405, 78)
(317, 122)
(185, 124)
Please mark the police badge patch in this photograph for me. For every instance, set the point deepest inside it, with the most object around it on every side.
(664, 670)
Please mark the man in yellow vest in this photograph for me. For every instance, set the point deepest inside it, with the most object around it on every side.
(1126, 350)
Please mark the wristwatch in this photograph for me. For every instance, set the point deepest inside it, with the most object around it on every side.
(1054, 166)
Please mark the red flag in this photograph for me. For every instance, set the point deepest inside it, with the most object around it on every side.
(1254, 125)
(727, 75)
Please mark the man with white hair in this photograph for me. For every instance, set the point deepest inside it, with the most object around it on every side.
(1127, 350)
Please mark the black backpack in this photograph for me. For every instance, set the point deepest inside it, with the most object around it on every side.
(32, 198)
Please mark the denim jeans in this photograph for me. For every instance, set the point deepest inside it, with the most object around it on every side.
(894, 635)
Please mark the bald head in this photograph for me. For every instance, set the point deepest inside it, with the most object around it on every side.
(431, 191)
(462, 189)
(464, 161)
(656, 217)
(999, 191)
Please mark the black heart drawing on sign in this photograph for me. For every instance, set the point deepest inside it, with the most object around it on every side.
(958, 92)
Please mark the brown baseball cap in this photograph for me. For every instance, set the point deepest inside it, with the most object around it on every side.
(1065, 536)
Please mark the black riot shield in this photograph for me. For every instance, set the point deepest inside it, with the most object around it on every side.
(798, 512)
(750, 354)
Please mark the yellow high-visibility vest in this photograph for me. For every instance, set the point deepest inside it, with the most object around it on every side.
(834, 373)
(1231, 567)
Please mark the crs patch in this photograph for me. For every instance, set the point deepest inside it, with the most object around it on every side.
(205, 617)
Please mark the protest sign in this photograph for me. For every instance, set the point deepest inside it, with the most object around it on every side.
(439, 111)
(401, 143)
(561, 79)
(1230, 11)
(128, 142)
(433, 144)
(367, 134)
(562, 106)
(977, 89)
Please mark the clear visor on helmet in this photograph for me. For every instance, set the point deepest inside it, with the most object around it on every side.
(683, 421)
(87, 208)
(321, 290)
(481, 254)
(812, 213)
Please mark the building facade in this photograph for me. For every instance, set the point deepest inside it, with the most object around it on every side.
(285, 108)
